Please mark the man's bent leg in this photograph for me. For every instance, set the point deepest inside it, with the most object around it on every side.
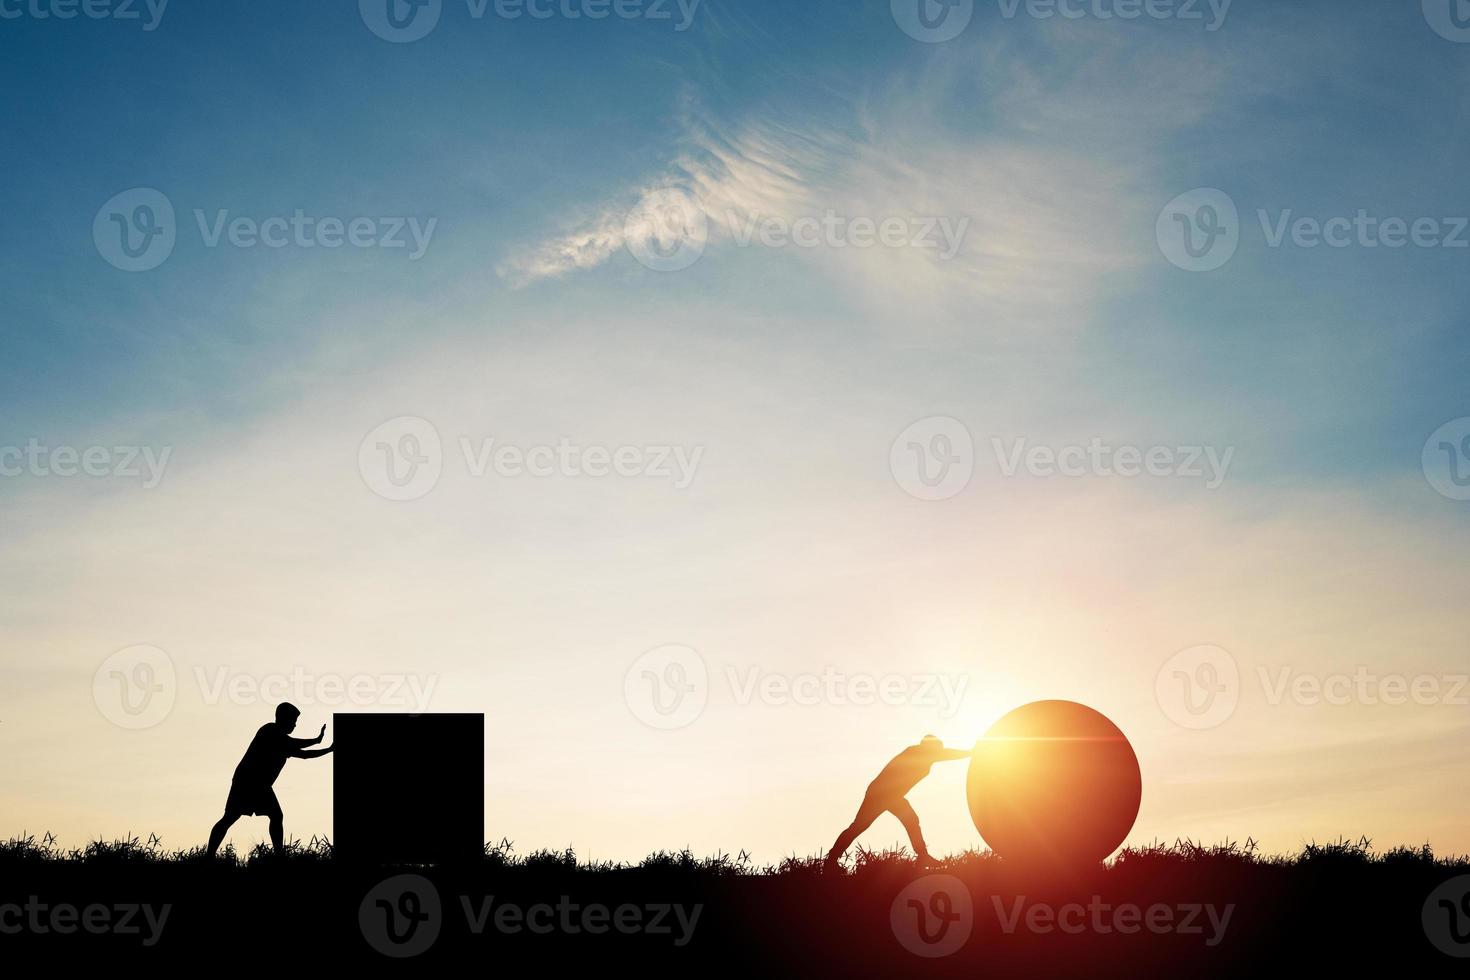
(277, 829)
(866, 814)
(904, 811)
(221, 827)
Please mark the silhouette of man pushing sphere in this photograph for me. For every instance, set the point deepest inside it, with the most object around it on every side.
(250, 791)
(888, 793)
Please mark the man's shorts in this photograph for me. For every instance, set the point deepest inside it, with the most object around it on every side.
(252, 801)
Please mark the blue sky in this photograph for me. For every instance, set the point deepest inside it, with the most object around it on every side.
(529, 142)
(506, 129)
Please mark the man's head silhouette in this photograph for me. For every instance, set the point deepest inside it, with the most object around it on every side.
(286, 715)
(931, 743)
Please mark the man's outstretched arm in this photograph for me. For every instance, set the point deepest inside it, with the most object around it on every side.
(953, 755)
(302, 743)
(312, 753)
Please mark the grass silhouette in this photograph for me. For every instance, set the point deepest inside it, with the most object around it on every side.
(1330, 905)
(130, 849)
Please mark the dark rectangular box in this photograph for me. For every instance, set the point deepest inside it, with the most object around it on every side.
(408, 789)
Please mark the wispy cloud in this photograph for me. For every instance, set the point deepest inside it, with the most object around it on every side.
(1044, 227)
(757, 170)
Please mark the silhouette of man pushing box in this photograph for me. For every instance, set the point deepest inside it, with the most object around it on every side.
(251, 792)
